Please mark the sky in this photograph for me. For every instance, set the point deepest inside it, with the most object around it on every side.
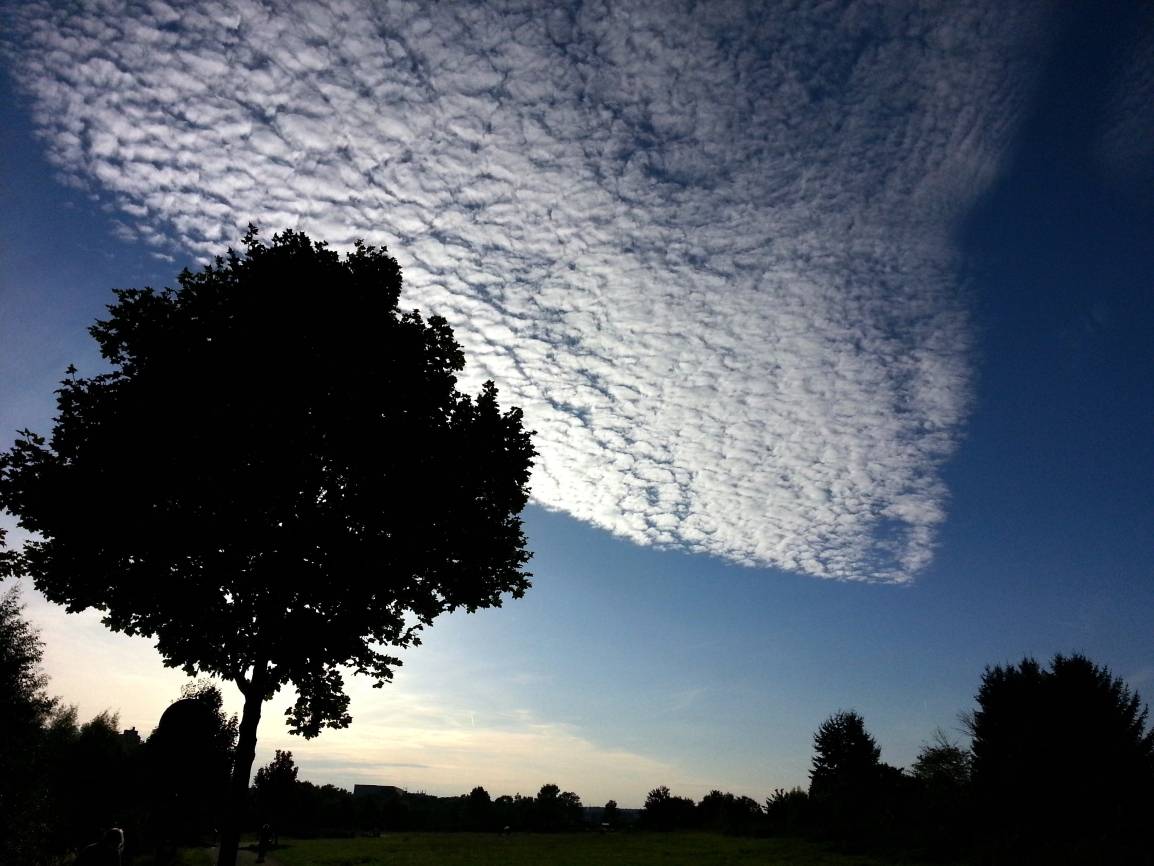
(833, 320)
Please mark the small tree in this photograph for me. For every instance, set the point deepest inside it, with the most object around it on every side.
(277, 479)
(274, 786)
(728, 813)
(942, 764)
(941, 773)
(555, 809)
(610, 814)
(665, 811)
(787, 812)
(478, 809)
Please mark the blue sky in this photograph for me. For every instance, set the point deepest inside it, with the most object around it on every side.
(834, 325)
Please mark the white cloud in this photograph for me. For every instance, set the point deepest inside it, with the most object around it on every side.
(707, 248)
(1126, 142)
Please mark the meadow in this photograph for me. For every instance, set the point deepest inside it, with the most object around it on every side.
(557, 849)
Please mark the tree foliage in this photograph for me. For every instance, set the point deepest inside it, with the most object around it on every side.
(664, 810)
(189, 761)
(278, 478)
(223, 731)
(846, 758)
(274, 787)
(942, 764)
(556, 810)
(1061, 756)
(24, 701)
(25, 709)
(729, 813)
(609, 814)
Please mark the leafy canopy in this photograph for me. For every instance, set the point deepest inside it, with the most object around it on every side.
(845, 756)
(24, 702)
(277, 476)
(1040, 734)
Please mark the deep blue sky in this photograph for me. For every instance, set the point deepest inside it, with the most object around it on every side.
(639, 658)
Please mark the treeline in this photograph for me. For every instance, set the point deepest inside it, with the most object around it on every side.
(1059, 769)
(290, 805)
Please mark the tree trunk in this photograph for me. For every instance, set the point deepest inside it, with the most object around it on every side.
(242, 767)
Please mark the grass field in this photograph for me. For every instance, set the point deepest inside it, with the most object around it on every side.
(588, 849)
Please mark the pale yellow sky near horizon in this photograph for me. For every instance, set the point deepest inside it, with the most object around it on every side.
(408, 734)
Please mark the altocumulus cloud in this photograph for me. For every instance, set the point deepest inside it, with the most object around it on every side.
(706, 246)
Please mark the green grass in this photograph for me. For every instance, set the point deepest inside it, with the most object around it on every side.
(195, 857)
(578, 849)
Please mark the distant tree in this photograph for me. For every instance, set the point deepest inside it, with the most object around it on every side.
(25, 708)
(728, 813)
(846, 758)
(505, 812)
(941, 815)
(524, 813)
(275, 788)
(89, 770)
(1063, 761)
(555, 809)
(572, 812)
(665, 811)
(478, 810)
(278, 478)
(787, 812)
(610, 815)
(320, 810)
(942, 764)
(846, 777)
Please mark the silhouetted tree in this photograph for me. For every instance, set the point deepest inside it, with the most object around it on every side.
(25, 708)
(91, 779)
(275, 788)
(1063, 763)
(787, 812)
(610, 815)
(224, 727)
(942, 813)
(942, 763)
(556, 810)
(728, 813)
(847, 771)
(277, 478)
(478, 810)
(189, 758)
(665, 811)
(846, 757)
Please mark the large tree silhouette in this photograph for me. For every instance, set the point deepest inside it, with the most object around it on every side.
(847, 773)
(277, 478)
(846, 758)
(1063, 763)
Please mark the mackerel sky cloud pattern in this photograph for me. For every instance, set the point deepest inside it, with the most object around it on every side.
(706, 247)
